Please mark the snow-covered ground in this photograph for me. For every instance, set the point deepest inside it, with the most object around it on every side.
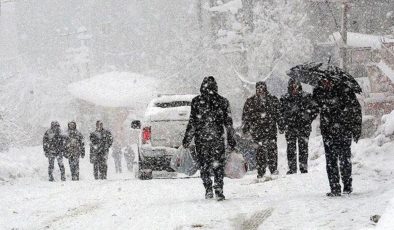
(28, 201)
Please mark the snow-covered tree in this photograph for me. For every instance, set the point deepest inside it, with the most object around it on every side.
(276, 41)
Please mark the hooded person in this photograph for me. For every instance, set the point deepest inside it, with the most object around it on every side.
(210, 119)
(100, 142)
(260, 119)
(53, 145)
(298, 110)
(340, 123)
(75, 148)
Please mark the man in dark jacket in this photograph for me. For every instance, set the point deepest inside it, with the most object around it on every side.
(75, 148)
(260, 119)
(210, 116)
(298, 111)
(101, 141)
(340, 122)
(53, 144)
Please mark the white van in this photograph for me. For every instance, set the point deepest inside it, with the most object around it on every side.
(162, 131)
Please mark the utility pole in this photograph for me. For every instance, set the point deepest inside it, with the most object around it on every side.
(344, 29)
(343, 50)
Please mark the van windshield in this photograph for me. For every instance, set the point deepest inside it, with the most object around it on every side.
(172, 104)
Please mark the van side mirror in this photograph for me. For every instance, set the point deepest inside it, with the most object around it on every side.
(136, 124)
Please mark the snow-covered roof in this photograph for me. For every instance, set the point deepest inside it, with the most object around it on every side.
(115, 89)
(358, 40)
(387, 70)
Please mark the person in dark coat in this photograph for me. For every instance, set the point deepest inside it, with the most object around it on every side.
(117, 155)
(75, 148)
(298, 110)
(340, 122)
(260, 118)
(101, 141)
(210, 117)
(53, 144)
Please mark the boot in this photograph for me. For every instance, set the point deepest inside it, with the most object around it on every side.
(333, 194)
(347, 190)
(290, 172)
(276, 172)
(219, 195)
(208, 194)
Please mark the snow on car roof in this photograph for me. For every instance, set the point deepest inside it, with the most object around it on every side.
(115, 89)
(171, 98)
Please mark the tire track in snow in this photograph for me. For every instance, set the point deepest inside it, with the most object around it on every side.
(253, 222)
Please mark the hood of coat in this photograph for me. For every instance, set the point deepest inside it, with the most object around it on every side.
(72, 125)
(209, 86)
(292, 85)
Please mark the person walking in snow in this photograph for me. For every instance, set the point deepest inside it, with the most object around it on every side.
(101, 141)
(117, 155)
(75, 148)
(340, 122)
(209, 118)
(260, 119)
(298, 111)
(53, 144)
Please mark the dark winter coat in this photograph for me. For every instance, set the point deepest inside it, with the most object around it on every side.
(101, 141)
(53, 142)
(297, 111)
(74, 144)
(340, 112)
(261, 116)
(209, 117)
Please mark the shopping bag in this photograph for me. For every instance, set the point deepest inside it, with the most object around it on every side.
(236, 166)
(182, 162)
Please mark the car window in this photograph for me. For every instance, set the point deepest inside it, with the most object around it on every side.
(172, 104)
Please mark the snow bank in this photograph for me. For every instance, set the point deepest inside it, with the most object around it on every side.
(388, 124)
(115, 89)
(24, 162)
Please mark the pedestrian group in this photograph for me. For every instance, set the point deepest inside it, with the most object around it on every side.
(211, 127)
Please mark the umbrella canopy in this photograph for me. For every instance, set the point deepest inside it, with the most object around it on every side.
(313, 73)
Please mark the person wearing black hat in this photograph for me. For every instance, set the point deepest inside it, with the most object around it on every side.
(260, 119)
(210, 117)
(101, 140)
(298, 110)
(53, 144)
(75, 148)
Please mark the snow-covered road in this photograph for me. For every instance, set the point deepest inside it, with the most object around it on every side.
(122, 202)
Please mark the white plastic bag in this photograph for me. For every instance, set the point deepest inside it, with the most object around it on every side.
(182, 162)
(236, 166)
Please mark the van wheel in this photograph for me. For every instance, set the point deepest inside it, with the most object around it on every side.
(145, 174)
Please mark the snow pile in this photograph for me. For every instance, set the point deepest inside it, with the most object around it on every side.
(115, 89)
(388, 124)
(24, 162)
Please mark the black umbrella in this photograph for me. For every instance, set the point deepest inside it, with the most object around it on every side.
(313, 73)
